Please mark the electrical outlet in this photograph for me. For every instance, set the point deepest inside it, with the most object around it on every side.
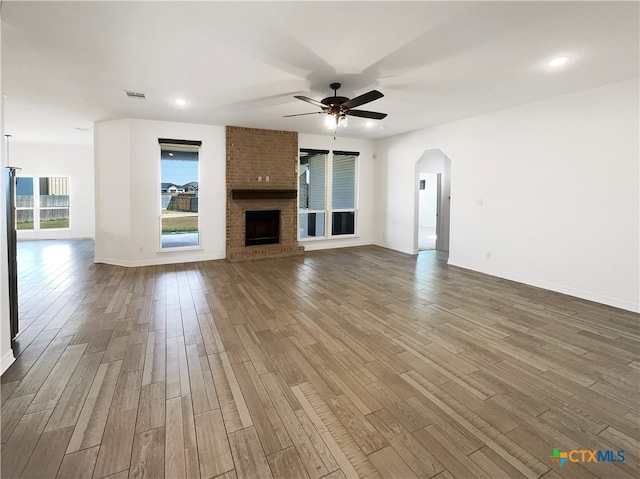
(259, 179)
(487, 255)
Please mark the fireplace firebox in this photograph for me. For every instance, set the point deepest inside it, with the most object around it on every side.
(262, 227)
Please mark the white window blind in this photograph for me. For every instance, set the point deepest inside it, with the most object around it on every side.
(316, 182)
(344, 172)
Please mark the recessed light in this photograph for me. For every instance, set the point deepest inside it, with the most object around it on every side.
(557, 62)
(369, 124)
(180, 101)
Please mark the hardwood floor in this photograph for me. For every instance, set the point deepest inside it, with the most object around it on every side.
(358, 362)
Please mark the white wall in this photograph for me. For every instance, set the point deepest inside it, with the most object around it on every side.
(74, 161)
(558, 180)
(6, 353)
(365, 192)
(428, 201)
(112, 187)
(127, 165)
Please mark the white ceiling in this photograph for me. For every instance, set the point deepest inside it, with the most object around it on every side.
(67, 64)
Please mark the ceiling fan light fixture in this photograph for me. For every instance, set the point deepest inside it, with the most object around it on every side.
(331, 121)
(343, 121)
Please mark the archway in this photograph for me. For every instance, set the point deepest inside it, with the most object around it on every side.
(436, 166)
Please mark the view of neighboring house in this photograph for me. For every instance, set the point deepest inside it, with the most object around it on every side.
(173, 189)
(191, 187)
(169, 188)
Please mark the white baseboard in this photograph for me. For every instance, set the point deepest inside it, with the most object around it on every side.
(400, 249)
(548, 285)
(7, 360)
(164, 259)
(317, 245)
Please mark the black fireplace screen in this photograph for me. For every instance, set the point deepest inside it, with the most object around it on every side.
(262, 227)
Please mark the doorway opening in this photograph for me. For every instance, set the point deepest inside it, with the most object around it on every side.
(429, 190)
(433, 196)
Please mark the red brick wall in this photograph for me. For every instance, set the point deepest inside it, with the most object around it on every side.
(253, 153)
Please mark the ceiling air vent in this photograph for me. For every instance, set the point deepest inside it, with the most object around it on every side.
(134, 94)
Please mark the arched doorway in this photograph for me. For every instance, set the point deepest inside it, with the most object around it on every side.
(432, 201)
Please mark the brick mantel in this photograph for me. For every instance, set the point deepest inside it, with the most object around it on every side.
(253, 155)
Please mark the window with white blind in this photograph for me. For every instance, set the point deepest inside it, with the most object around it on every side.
(343, 194)
(327, 193)
(312, 176)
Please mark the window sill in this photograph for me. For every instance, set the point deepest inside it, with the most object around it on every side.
(327, 238)
(180, 248)
(39, 230)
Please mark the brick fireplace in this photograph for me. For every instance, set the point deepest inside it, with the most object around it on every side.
(261, 177)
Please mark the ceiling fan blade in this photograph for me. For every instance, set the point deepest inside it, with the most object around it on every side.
(302, 114)
(310, 100)
(362, 99)
(373, 115)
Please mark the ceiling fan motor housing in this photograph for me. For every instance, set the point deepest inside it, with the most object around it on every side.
(335, 99)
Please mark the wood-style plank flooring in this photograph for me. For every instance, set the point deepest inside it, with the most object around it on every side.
(358, 362)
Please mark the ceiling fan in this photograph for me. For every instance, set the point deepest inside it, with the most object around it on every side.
(337, 108)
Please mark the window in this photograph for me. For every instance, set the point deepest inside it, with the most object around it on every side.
(179, 193)
(42, 203)
(343, 194)
(327, 193)
(54, 202)
(24, 203)
(311, 191)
